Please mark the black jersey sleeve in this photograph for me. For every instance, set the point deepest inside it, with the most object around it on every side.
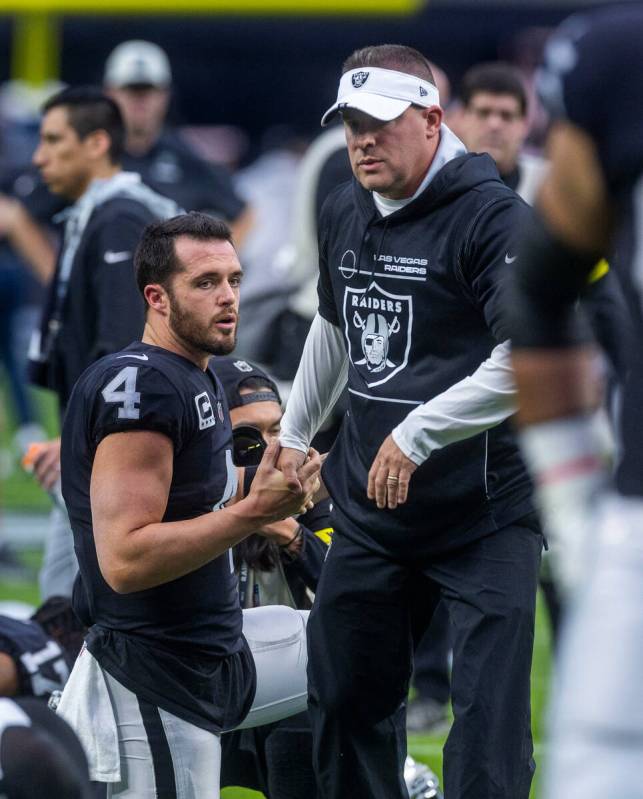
(120, 307)
(39, 660)
(132, 396)
(489, 252)
(317, 527)
(327, 308)
(591, 78)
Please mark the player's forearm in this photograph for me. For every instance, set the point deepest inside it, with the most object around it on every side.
(556, 384)
(320, 378)
(163, 551)
(481, 401)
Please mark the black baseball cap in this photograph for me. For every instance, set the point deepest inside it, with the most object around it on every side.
(234, 372)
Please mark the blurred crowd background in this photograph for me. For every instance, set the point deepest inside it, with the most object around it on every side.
(243, 93)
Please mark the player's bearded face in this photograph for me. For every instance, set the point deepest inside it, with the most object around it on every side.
(203, 334)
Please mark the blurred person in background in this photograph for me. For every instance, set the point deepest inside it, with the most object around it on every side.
(589, 207)
(138, 77)
(93, 305)
(268, 186)
(495, 121)
(27, 258)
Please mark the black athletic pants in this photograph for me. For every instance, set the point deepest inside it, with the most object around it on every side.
(431, 659)
(368, 609)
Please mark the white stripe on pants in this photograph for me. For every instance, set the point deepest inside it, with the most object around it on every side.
(277, 639)
(195, 753)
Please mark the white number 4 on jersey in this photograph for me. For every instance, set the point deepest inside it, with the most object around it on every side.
(129, 398)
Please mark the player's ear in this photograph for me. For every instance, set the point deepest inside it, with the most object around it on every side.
(157, 298)
(433, 117)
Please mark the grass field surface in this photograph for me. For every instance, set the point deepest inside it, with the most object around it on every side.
(19, 492)
(425, 748)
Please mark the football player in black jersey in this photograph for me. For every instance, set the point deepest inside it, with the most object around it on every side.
(36, 655)
(147, 476)
(591, 206)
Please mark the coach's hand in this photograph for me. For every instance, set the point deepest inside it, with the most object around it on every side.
(273, 496)
(289, 463)
(388, 479)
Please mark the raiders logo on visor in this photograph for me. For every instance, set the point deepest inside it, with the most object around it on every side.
(359, 79)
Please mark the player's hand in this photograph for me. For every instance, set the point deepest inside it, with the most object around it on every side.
(273, 497)
(44, 460)
(388, 479)
(289, 463)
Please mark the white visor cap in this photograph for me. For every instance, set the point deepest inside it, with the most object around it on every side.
(381, 93)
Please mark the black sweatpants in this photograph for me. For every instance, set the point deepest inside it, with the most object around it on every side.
(368, 610)
(431, 659)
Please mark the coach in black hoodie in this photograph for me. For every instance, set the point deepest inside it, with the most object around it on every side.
(431, 496)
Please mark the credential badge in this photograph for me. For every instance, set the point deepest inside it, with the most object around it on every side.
(359, 79)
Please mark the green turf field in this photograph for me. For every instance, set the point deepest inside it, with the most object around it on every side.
(18, 491)
(425, 748)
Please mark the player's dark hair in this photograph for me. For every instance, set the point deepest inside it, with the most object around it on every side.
(57, 618)
(495, 77)
(88, 110)
(257, 553)
(391, 56)
(155, 259)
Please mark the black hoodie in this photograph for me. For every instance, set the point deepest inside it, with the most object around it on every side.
(416, 295)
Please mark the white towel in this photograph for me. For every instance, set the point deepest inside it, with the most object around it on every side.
(86, 707)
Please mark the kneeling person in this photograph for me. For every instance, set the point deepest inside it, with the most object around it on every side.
(281, 566)
(146, 458)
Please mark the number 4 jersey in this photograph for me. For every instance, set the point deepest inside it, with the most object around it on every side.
(178, 645)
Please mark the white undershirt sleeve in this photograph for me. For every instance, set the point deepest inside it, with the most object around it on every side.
(483, 400)
(319, 381)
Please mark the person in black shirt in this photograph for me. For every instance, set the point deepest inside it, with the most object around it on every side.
(138, 77)
(432, 500)
(147, 475)
(36, 655)
(589, 208)
(93, 306)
